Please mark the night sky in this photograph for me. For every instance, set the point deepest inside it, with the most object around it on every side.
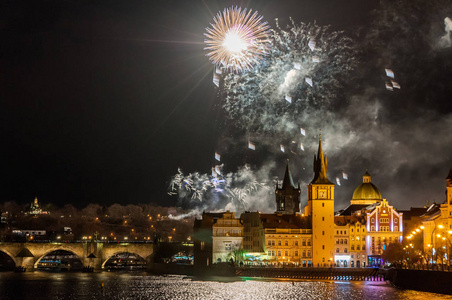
(103, 101)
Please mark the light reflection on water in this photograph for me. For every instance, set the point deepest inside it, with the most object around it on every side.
(40, 285)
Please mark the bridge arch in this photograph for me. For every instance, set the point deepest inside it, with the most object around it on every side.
(106, 259)
(41, 255)
(9, 255)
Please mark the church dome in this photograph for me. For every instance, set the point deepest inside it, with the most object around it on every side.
(367, 190)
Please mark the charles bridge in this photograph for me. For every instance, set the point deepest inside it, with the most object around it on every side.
(92, 254)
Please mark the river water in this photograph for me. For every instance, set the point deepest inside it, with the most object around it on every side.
(141, 285)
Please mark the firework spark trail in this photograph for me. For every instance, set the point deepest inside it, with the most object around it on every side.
(307, 64)
(204, 190)
(237, 39)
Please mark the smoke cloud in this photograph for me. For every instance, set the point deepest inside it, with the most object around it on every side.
(401, 135)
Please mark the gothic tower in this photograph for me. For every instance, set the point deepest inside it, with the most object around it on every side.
(321, 209)
(287, 197)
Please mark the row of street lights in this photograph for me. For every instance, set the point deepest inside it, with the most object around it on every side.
(445, 237)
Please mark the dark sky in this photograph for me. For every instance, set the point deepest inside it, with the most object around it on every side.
(102, 101)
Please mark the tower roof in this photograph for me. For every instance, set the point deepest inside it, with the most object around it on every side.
(288, 181)
(367, 190)
(450, 174)
(320, 167)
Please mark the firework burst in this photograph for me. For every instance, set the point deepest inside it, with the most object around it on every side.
(237, 39)
(207, 190)
(306, 69)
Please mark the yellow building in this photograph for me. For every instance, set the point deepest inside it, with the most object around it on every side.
(437, 228)
(321, 210)
(288, 239)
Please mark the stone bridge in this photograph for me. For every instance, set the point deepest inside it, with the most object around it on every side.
(29, 254)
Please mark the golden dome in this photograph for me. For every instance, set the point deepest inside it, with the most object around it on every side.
(367, 190)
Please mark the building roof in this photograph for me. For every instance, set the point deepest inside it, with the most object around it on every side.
(353, 208)
(344, 220)
(285, 221)
(413, 212)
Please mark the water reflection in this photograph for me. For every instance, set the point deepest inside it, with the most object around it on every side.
(40, 285)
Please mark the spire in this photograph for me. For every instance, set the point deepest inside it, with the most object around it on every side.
(366, 177)
(320, 166)
(287, 182)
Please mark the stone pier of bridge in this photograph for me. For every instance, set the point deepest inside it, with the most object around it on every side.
(91, 253)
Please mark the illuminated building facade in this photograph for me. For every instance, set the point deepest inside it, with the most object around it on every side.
(372, 224)
(227, 237)
(288, 239)
(437, 228)
(320, 209)
(385, 226)
(35, 209)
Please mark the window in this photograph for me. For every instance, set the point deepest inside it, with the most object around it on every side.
(372, 228)
(373, 220)
(227, 246)
(341, 231)
(352, 229)
(279, 253)
(304, 253)
(296, 253)
(269, 253)
(357, 247)
(323, 204)
(323, 218)
(364, 247)
(396, 220)
(323, 247)
(352, 247)
(273, 243)
(345, 250)
(279, 242)
(345, 232)
(309, 242)
(286, 253)
(202, 245)
(337, 250)
(323, 232)
(296, 243)
(303, 243)
(269, 242)
(286, 243)
(396, 228)
(309, 253)
(345, 241)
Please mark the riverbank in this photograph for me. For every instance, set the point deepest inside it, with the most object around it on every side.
(421, 280)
